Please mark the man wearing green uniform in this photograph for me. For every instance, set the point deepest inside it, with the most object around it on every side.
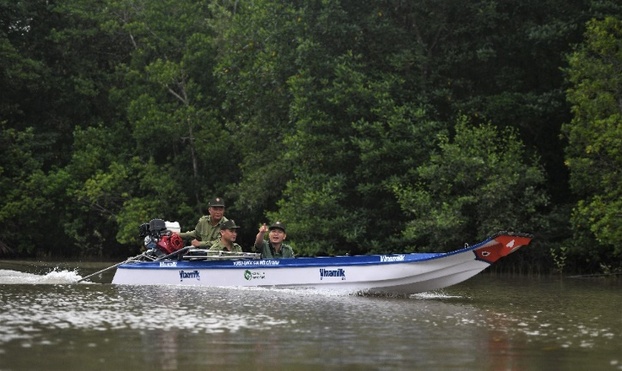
(207, 229)
(273, 248)
(228, 235)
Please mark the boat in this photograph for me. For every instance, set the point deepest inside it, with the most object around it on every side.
(407, 273)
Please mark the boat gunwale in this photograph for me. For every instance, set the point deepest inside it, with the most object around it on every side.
(310, 262)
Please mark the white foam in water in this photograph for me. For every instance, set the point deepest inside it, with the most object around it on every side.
(54, 277)
(434, 295)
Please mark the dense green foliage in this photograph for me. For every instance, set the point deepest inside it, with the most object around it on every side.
(364, 126)
(594, 151)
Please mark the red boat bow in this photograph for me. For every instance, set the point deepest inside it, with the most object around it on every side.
(501, 245)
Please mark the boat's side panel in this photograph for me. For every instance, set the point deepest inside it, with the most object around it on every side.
(383, 276)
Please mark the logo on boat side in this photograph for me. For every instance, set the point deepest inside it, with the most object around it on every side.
(396, 258)
(248, 275)
(325, 273)
(168, 264)
(189, 275)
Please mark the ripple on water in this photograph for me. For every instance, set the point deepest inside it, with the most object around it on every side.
(30, 310)
(35, 305)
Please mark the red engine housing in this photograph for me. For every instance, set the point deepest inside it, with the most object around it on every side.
(170, 243)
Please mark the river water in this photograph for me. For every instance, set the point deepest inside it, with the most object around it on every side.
(491, 322)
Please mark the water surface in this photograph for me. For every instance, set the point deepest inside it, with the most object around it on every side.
(491, 322)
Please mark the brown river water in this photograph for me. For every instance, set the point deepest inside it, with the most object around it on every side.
(490, 322)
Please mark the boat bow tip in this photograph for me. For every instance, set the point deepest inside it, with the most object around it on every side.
(502, 244)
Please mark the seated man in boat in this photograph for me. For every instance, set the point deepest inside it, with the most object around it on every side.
(228, 235)
(273, 248)
(207, 229)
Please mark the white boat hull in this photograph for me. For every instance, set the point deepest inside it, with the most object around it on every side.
(387, 274)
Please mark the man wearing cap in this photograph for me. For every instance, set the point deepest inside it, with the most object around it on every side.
(207, 229)
(228, 235)
(273, 248)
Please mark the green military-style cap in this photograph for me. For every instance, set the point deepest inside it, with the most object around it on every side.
(217, 202)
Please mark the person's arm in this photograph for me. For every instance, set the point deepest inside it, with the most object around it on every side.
(190, 234)
(259, 238)
(288, 252)
(186, 235)
(202, 244)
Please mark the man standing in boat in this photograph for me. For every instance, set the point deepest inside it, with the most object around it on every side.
(228, 235)
(273, 248)
(207, 229)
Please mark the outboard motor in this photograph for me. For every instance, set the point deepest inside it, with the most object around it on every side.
(159, 237)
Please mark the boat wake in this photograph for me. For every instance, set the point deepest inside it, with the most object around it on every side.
(435, 295)
(56, 276)
(308, 291)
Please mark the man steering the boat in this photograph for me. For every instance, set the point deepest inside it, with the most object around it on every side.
(273, 248)
(208, 227)
(228, 235)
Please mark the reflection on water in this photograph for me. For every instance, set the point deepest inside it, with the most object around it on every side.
(489, 322)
